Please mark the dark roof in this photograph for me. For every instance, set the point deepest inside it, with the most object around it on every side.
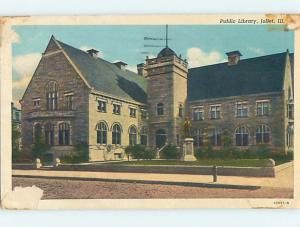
(107, 77)
(249, 76)
(166, 52)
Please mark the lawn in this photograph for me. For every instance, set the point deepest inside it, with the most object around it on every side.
(203, 162)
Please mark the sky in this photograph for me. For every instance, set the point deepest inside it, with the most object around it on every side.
(199, 44)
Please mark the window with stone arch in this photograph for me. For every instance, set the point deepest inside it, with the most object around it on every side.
(64, 134)
(242, 136)
(52, 95)
(132, 135)
(37, 133)
(262, 134)
(160, 109)
(101, 133)
(49, 134)
(116, 134)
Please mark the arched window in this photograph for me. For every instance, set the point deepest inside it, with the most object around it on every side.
(49, 134)
(52, 95)
(64, 134)
(116, 134)
(37, 132)
(242, 136)
(198, 137)
(262, 134)
(144, 136)
(215, 137)
(160, 109)
(101, 133)
(132, 135)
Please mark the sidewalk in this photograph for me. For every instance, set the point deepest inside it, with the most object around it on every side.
(283, 179)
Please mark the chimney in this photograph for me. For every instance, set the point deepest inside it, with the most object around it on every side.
(93, 53)
(141, 69)
(233, 57)
(120, 64)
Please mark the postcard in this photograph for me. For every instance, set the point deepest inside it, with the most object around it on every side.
(149, 111)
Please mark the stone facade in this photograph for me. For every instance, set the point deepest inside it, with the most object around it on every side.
(166, 78)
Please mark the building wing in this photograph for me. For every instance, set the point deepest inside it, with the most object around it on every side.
(249, 76)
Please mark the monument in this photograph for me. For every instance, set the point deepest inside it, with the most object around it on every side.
(188, 143)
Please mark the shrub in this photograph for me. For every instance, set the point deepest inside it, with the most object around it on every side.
(47, 158)
(199, 154)
(170, 152)
(149, 154)
(81, 152)
(263, 151)
(139, 151)
(39, 148)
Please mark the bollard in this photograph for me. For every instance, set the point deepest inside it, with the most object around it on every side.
(37, 163)
(56, 162)
(215, 173)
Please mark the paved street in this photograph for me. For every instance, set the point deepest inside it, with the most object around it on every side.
(81, 189)
(104, 185)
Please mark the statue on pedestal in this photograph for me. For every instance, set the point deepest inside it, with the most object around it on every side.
(188, 142)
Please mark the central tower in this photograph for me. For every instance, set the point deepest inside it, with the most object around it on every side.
(167, 93)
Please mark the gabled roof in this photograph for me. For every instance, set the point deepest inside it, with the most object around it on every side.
(248, 76)
(106, 77)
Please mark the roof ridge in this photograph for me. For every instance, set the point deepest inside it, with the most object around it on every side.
(242, 60)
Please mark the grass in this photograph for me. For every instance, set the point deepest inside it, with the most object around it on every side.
(203, 162)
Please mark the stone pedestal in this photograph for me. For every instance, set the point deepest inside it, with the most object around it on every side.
(188, 150)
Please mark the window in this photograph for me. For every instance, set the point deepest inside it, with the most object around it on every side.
(198, 137)
(242, 109)
(37, 130)
(160, 109)
(102, 106)
(17, 116)
(262, 108)
(242, 136)
(69, 102)
(132, 135)
(116, 134)
(101, 133)
(290, 111)
(36, 102)
(215, 137)
(64, 134)
(144, 136)
(144, 114)
(180, 111)
(132, 112)
(262, 134)
(117, 109)
(49, 134)
(52, 95)
(215, 112)
(198, 113)
(290, 135)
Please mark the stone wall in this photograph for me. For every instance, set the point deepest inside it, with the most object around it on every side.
(99, 152)
(54, 66)
(229, 121)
